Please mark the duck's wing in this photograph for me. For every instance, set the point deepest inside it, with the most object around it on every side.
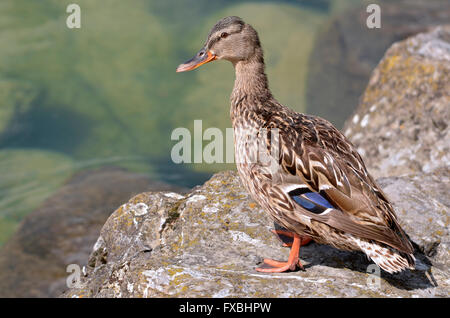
(322, 177)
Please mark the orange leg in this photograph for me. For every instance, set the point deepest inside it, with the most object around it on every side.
(285, 235)
(272, 266)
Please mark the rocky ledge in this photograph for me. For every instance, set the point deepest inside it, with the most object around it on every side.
(207, 244)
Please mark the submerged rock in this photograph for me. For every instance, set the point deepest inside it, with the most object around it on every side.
(208, 242)
(402, 123)
(27, 178)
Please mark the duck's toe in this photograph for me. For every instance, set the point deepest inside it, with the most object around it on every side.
(273, 266)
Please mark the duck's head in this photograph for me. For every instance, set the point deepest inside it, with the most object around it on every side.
(230, 39)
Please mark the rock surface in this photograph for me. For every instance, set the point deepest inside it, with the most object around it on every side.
(207, 244)
(63, 230)
(346, 51)
(402, 123)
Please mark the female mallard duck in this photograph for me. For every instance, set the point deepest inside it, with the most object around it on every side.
(315, 183)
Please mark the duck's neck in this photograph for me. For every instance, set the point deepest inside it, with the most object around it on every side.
(251, 88)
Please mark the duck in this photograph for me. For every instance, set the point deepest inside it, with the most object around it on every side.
(302, 170)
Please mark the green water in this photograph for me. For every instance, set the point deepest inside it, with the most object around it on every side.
(108, 94)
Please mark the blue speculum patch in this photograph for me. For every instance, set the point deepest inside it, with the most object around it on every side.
(319, 199)
(312, 201)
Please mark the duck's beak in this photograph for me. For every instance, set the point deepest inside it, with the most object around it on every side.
(202, 57)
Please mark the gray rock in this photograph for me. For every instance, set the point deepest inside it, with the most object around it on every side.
(401, 125)
(414, 196)
(208, 242)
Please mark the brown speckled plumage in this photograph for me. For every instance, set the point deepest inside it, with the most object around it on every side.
(306, 154)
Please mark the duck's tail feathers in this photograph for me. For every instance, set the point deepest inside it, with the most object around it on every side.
(386, 257)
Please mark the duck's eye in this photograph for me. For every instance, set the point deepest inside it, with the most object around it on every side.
(224, 35)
